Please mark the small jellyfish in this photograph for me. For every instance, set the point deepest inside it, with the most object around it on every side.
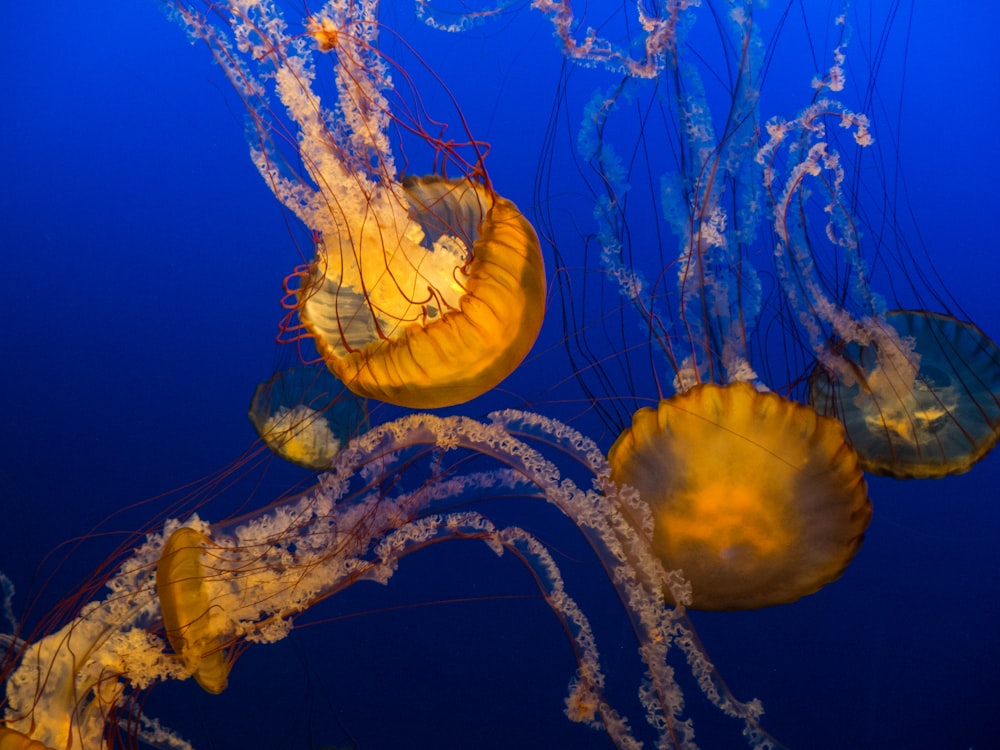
(918, 391)
(305, 415)
(923, 402)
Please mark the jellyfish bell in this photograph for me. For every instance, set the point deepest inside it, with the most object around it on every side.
(305, 415)
(755, 499)
(11, 739)
(922, 402)
(758, 500)
(440, 313)
(187, 610)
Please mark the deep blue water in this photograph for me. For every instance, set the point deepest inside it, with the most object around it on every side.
(141, 260)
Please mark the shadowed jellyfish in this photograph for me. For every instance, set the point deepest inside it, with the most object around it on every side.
(933, 412)
(918, 391)
(424, 291)
(305, 415)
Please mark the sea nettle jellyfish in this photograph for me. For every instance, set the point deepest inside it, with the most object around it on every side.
(188, 599)
(759, 500)
(425, 290)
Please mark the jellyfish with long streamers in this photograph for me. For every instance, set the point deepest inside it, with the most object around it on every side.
(918, 391)
(209, 588)
(758, 500)
(425, 291)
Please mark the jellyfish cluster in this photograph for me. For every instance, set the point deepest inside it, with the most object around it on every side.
(756, 369)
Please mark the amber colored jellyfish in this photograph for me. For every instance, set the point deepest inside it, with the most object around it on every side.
(13, 740)
(246, 580)
(413, 333)
(187, 609)
(305, 415)
(424, 291)
(757, 499)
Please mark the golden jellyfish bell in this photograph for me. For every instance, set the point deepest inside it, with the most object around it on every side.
(186, 609)
(929, 410)
(11, 739)
(758, 500)
(442, 310)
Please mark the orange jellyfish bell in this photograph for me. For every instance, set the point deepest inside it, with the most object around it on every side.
(186, 609)
(434, 315)
(756, 499)
(11, 739)
(923, 402)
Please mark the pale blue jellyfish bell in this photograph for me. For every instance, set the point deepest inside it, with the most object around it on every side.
(305, 415)
(924, 402)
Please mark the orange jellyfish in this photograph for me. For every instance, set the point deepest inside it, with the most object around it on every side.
(12, 740)
(73, 685)
(697, 316)
(415, 335)
(424, 291)
(305, 415)
(756, 499)
(187, 609)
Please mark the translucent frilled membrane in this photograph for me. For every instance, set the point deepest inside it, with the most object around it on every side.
(423, 292)
(435, 299)
(76, 685)
(758, 500)
(305, 415)
(920, 399)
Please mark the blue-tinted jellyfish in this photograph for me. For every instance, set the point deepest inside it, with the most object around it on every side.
(917, 390)
(305, 415)
(931, 411)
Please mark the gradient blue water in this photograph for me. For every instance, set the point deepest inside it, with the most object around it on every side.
(140, 261)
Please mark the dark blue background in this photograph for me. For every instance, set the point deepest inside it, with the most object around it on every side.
(140, 261)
